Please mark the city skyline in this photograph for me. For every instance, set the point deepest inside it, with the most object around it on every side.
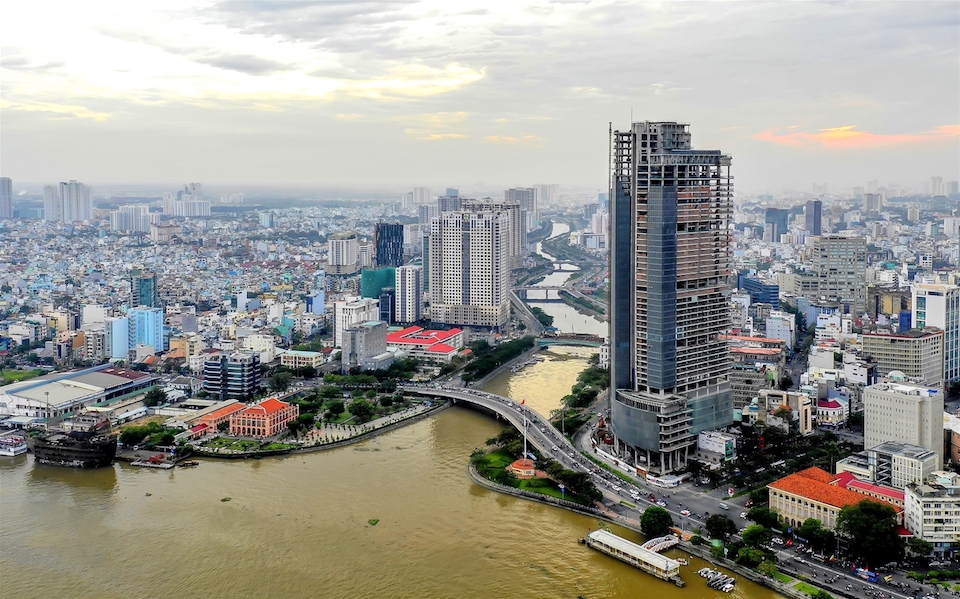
(478, 94)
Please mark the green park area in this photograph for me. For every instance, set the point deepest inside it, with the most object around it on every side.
(492, 466)
(233, 444)
(12, 375)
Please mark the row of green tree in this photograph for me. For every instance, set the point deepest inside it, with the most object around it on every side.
(489, 359)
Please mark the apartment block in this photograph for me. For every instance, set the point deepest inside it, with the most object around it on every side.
(905, 413)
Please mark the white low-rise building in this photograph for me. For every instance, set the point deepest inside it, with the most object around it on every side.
(932, 511)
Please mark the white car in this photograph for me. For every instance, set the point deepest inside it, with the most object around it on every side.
(684, 512)
(743, 514)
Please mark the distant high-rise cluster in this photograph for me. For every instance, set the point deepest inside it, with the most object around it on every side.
(67, 202)
(187, 202)
(131, 219)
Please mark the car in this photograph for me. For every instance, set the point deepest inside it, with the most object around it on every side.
(724, 506)
(777, 541)
(662, 503)
(684, 512)
(743, 514)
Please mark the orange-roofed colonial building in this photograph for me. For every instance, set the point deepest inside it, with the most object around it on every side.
(264, 419)
(813, 493)
(218, 417)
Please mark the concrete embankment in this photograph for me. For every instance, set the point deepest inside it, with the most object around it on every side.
(699, 551)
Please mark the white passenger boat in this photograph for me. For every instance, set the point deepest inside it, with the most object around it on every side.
(12, 446)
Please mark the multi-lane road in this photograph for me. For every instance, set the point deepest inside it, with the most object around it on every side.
(700, 502)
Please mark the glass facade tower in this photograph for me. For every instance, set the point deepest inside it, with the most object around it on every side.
(669, 363)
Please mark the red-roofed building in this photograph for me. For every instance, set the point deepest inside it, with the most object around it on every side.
(426, 344)
(216, 418)
(264, 419)
(831, 412)
(814, 493)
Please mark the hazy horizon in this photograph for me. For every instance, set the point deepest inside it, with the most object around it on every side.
(390, 95)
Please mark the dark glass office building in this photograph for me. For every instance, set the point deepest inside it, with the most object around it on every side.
(813, 217)
(760, 292)
(388, 240)
(669, 363)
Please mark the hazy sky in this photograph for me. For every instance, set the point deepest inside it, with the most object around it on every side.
(458, 92)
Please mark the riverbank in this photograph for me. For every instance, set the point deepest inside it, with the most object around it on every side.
(785, 589)
(362, 435)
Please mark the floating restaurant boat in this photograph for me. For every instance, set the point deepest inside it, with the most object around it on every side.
(75, 449)
(637, 556)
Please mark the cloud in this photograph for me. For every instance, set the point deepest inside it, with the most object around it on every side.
(523, 140)
(22, 63)
(849, 138)
(64, 110)
(251, 65)
(434, 126)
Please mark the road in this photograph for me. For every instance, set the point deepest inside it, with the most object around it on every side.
(700, 501)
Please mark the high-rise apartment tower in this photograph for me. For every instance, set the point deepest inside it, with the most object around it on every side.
(6, 197)
(669, 363)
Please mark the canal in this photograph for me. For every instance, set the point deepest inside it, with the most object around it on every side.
(565, 318)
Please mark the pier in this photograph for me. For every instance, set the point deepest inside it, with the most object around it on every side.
(637, 556)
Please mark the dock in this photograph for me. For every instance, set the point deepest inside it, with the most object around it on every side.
(147, 464)
(637, 556)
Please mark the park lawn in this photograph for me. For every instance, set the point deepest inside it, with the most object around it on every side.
(806, 588)
(783, 578)
(273, 446)
(230, 443)
(11, 375)
(496, 461)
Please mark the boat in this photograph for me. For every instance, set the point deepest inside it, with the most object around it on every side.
(190, 464)
(682, 561)
(76, 449)
(12, 446)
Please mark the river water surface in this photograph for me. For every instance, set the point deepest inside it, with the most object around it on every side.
(297, 526)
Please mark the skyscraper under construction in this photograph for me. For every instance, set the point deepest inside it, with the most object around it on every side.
(669, 363)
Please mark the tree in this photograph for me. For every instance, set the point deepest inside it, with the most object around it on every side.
(280, 381)
(767, 568)
(720, 526)
(362, 409)
(748, 557)
(336, 407)
(155, 397)
(786, 382)
(821, 594)
(763, 516)
(306, 420)
(757, 536)
(655, 522)
(695, 467)
(856, 420)
(919, 547)
(870, 528)
(306, 372)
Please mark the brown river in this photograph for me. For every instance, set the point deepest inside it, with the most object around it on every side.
(298, 526)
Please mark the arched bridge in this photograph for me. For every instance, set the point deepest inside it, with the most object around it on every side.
(540, 433)
(571, 339)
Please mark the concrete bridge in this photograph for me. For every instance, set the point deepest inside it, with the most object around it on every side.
(540, 433)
